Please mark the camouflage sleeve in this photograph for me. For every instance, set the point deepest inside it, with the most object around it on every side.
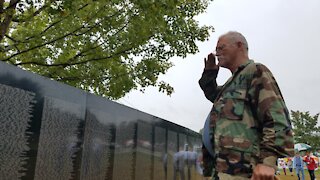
(209, 85)
(273, 117)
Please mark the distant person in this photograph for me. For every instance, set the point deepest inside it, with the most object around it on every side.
(311, 164)
(283, 166)
(290, 166)
(250, 125)
(318, 156)
(298, 165)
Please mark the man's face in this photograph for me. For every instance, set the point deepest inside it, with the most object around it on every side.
(226, 52)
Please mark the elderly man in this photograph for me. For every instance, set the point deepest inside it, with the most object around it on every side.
(249, 124)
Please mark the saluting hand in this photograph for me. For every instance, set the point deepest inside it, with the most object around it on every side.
(210, 62)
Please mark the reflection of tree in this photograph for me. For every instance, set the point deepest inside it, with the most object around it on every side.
(70, 148)
(182, 141)
(144, 137)
(125, 135)
(98, 148)
(58, 141)
(125, 150)
(160, 154)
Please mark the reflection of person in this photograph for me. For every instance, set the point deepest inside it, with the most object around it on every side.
(165, 164)
(184, 159)
(250, 123)
(178, 164)
(298, 165)
(311, 164)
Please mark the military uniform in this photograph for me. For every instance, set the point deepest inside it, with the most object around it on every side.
(250, 123)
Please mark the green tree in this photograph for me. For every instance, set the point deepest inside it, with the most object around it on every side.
(305, 128)
(108, 47)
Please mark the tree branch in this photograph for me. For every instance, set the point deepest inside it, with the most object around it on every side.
(1, 7)
(69, 78)
(74, 63)
(41, 45)
(51, 25)
(18, 20)
(8, 17)
(52, 41)
(39, 11)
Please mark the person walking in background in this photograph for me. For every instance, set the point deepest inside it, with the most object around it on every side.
(298, 165)
(311, 164)
(290, 165)
(250, 126)
(318, 156)
(283, 166)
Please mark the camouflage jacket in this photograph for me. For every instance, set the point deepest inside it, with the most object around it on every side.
(250, 123)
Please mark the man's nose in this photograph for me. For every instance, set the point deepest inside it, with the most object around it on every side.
(218, 53)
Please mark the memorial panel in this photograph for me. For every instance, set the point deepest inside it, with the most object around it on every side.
(98, 150)
(125, 151)
(16, 106)
(59, 141)
(172, 150)
(49, 130)
(160, 154)
(144, 154)
(183, 144)
(193, 161)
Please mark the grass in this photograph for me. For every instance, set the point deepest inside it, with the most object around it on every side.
(294, 177)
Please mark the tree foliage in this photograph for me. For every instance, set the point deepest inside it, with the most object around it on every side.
(306, 128)
(106, 46)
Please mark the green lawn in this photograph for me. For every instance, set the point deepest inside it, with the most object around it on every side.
(294, 177)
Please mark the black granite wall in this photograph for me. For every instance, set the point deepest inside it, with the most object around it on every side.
(49, 130)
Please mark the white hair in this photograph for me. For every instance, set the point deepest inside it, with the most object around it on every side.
(235, 36)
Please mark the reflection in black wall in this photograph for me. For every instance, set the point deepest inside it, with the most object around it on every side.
(49, 130)
(183, 145)
(125, 151)
(160, 155)
(172, 149)
(143, 168)
(16, 106)
(97, 150)
(58, 139)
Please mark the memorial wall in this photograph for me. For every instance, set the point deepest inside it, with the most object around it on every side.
(49, 130)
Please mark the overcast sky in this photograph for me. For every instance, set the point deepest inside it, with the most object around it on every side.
(282, 34)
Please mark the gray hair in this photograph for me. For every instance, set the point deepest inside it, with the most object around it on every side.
(235, 36)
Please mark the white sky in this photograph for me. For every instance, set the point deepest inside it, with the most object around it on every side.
(282, 34)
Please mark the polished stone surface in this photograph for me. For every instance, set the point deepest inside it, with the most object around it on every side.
(49, 130)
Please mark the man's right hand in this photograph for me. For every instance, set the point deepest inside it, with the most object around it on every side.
(210, 62)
